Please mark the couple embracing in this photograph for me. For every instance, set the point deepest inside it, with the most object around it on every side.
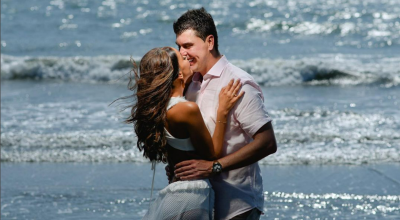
(207, 118)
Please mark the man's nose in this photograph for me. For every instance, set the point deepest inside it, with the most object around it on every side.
(182, 51)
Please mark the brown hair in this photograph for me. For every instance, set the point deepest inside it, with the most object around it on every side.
(200, 21)
(153, 84)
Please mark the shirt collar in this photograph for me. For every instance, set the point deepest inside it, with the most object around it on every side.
(197, 77)
(218, 67)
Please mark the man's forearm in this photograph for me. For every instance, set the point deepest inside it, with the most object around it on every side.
(263, 145)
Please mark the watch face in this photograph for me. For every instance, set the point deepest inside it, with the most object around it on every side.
(217, 168)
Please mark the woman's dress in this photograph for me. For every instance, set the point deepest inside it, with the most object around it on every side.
(192, 199)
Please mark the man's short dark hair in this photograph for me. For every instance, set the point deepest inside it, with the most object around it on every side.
(200, 21)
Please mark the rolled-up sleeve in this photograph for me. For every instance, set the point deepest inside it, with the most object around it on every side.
(250, 111)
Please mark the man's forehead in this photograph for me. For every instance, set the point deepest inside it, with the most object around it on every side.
(186, 36)
(182, 41)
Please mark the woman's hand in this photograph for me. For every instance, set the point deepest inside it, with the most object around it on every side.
(229, 96)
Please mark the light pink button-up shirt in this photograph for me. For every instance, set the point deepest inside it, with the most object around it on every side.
(239, 190)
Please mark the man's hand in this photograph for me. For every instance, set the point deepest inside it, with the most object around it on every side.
(193, 169)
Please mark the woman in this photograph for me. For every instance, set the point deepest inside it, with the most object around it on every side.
(169, 128)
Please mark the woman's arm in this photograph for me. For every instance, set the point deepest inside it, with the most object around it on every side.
(200, 137)
(227, 99)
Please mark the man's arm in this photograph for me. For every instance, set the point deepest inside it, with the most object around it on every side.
(264, 144)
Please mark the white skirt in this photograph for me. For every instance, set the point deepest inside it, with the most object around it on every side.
(183, 200)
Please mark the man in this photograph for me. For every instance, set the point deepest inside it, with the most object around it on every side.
(249, 137)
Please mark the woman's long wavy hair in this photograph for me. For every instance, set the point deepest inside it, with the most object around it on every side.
(153, 84)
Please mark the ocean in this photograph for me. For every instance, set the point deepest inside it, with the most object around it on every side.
(329, 71)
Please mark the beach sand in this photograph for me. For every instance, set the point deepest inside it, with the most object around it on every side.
(122, 191)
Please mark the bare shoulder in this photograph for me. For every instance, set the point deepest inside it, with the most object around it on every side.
(183, 111)
(186, 107)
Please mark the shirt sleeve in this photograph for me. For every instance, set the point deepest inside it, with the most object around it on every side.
(250, 112)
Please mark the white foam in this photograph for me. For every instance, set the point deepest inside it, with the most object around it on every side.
(304, 137)
(77, 146)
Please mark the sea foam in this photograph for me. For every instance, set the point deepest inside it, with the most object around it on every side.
(304, 137)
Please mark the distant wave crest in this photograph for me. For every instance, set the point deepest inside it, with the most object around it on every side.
(330, 70)
(86, 69)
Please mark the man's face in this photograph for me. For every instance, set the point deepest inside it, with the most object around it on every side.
(195, 50)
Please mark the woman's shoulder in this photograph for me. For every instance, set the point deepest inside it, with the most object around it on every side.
(186, 108)
(183, 111)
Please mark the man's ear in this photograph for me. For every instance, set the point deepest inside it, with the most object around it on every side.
(210, 41)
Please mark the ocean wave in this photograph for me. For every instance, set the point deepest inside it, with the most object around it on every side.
(324, 70)
(86, 69)
(113, 146)
(88, 146)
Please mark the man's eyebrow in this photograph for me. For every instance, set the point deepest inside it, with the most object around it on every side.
(186, 44)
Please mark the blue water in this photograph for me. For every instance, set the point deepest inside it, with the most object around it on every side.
(329, 71)
(279, 42)
(122, 191)
(57, 121)
(247, 29)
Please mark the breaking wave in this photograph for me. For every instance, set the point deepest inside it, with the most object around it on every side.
(329, 70)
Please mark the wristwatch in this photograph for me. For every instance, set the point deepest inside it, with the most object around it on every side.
(216, 167)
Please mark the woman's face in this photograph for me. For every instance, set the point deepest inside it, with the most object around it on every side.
(184, 66)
